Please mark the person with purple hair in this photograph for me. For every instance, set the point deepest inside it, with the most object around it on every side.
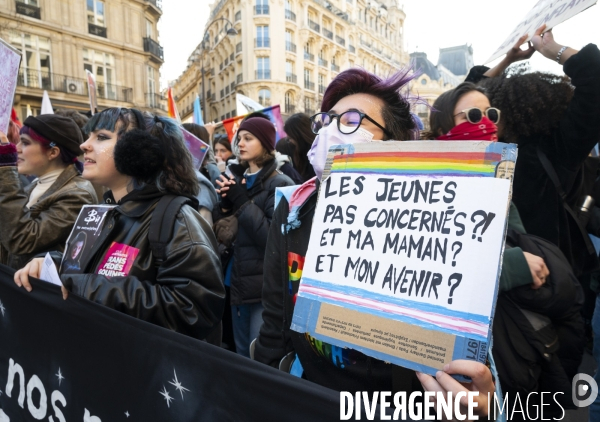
(357, 107)
(39, 217)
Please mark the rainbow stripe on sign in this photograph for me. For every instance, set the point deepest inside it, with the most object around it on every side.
(419, 163)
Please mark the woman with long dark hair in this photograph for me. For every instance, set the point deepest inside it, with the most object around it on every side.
(39, 217)
(298, 129)
(142, 158)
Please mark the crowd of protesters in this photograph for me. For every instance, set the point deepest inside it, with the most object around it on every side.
(224, 274)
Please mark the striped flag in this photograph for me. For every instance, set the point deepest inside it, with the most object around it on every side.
(172, 107)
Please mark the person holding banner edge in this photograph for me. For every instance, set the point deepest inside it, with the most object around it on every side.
(39, 217)
(357, 107)
(142, 158)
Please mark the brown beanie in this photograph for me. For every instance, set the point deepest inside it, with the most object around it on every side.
(263, 129)
(61, 130)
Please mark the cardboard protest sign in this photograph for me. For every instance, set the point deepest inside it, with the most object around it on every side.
(550, 12)
(10, 58)
(85, 232)
(196, 147)
(405, 250)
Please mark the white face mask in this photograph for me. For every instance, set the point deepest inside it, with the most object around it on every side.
(329, 136)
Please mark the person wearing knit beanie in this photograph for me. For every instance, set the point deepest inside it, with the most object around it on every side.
(262, 129)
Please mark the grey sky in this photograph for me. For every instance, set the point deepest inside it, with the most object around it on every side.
(430, 24)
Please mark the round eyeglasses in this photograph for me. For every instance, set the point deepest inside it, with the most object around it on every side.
(348, 122)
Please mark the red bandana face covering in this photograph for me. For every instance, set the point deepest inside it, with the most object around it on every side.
(482, 131)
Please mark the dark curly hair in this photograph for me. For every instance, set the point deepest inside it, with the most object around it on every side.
(441, 119)
(393, 91)
(532, 104)
(298, 128)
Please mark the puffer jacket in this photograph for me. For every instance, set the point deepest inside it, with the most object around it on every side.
(184, 293)
(26, 232)
(254, 220)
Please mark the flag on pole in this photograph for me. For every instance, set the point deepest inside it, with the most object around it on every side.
(46, 104)
(246, 105)
(198, 112)
(15, 118)
(274, 113)
(172, 107)
(91, 80)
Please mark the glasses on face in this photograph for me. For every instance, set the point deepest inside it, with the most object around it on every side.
(348, 122)
(474, 115)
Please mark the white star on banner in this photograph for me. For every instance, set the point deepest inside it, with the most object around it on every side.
(127, 413)
(2, 308)
(166, 395)
(59, 376)
(178, 385)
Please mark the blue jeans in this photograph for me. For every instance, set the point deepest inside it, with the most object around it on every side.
(246, 320)
(595, 407)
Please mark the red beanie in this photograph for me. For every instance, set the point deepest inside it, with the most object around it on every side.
(263, 129)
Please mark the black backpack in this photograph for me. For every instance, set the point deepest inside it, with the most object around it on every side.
(162, 222)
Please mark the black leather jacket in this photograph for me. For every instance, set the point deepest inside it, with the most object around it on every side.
(185, 293)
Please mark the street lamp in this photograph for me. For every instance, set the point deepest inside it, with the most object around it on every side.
(231, 31)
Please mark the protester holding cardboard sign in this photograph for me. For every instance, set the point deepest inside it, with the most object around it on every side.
(142, 159)
(39, 218)
(357, 107)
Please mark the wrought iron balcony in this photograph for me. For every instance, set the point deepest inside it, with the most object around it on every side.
(262, 42)
(290, 15)
(314, 26)
(351, 48)
(263, 74)
(309, 56)
(340, 40)
(322, 62)
(322, 89)
(154, 48)
(290, 108)
(335, 67)
(239, 78)
(290, 77)
(328, 33)
(156, 101)
(28, 10)
(290, 46)
(261, 9)
(238, 16)
(155, 3)
(238, 48)
(97, 30)
(309, 85)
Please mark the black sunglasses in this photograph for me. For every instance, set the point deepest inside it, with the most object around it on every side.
(474, 115)
(348, 122)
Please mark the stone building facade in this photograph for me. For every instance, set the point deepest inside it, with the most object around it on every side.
(59, 39)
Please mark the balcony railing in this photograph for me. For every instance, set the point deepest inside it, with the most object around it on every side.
(290, 77)
(290, 46)
(238, 48)
(232, 87)
(239, 78)
(340, 40)
(308, 56)
(314, 26)
(310, 111)
(309, 85)
(28, 10)
(97, 30)
(262, 42)
(156, 3)
(351, 48)
(222, 93)
(261, 10)
(154, 48)
(156, 101)
(335, 67)
(263, 74)
(328, 33)
(290, 108)
(238, 16)
(322, 62)
(322, 89)
(70, 85)
(290, 15)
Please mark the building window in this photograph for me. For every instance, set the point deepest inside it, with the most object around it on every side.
(263, 66)
(36, 65)
(262, 36)
(264, 97)
(102, 66)
(152, 100)
(308, 106)
(262, 7)
(95, 12)
(149, 29)
(289, 102)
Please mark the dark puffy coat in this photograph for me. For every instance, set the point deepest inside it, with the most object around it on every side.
(579, 130)
(254, 220)
(185, 293)
(26, 232)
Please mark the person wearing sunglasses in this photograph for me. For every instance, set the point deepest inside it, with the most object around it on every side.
(463, 114)
(357, 107)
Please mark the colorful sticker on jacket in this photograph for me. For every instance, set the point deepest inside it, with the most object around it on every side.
(295, 267)
(118, 260)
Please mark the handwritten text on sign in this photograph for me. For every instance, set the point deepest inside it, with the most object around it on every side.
(411, 237)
